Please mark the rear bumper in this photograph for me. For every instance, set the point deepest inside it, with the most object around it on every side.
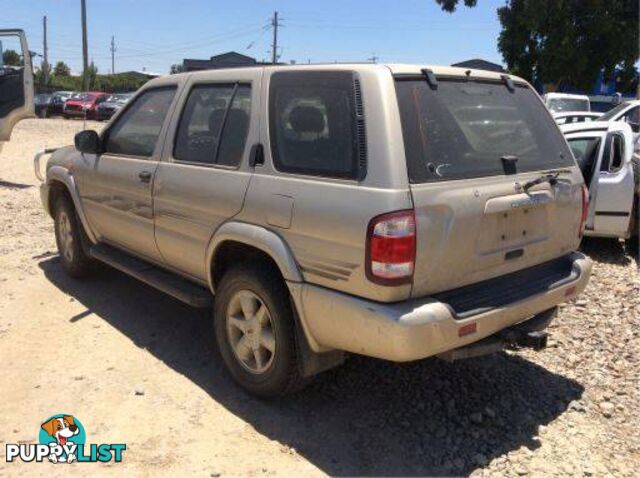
(419, 328)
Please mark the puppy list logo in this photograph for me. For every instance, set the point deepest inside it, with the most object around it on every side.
(62, 440)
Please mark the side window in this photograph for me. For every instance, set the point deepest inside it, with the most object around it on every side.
(136, 131)
(585, 150)
(617, 154)
(312, 123)
(632, 117)
(613, 155)
(214, 123)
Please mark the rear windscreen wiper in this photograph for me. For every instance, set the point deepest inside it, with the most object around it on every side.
(551, 178)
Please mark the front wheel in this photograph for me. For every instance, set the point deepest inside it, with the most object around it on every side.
(254, 328)
(68, 231)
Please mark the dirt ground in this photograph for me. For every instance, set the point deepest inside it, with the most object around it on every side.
(137, 367)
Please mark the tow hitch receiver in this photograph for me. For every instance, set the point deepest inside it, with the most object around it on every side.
(532, 340)
(529, 334)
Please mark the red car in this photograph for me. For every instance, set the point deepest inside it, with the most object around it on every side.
(81, 104)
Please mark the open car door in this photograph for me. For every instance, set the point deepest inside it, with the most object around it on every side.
(604, 157)
(616, 185)
(16, 81)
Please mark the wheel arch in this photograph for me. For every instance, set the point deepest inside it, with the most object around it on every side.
(60, 181)
(237, 236)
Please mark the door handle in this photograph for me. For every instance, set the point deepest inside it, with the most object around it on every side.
(144, 176)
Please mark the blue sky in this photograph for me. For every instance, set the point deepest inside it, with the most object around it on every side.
(156, 33)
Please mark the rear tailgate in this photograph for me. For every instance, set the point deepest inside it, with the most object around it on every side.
(474, 218)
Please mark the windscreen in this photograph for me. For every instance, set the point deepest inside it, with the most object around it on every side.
(568, 104)
(609, 115)
(463, 129)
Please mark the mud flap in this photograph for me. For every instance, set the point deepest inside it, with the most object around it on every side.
(311, 363)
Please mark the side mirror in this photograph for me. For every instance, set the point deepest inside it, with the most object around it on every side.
(88, 141)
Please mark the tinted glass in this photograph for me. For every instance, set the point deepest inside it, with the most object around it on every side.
(609, 115)
(137, 129)
(633, 115)
(585, 150)
(236, 127)
(462, 130)
(213, 112)
(616, 155)
(201, 123)
(312, 123)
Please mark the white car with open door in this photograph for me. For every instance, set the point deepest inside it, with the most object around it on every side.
(628, 111)
(16, 81)
(604, 152)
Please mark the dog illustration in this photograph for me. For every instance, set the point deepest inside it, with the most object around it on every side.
(61, 429)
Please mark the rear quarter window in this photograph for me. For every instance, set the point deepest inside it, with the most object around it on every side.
(462, 129)
(313, 124)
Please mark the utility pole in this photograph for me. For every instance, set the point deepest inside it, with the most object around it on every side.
(274, 47)
(113, 55)
(45, 63)
(374, 58)
(85, 47)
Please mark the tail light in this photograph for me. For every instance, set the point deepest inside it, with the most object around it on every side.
(391, 248)
(585, 209)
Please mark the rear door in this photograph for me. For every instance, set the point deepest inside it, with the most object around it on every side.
(204, 173)
(16, 81)
(471, 148)
(615, 184)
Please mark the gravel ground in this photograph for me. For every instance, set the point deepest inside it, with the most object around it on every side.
(570, 410)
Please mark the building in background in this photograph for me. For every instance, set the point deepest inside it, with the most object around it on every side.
(480, 64)
(230, 59)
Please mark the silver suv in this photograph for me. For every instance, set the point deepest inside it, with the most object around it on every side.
(398, 212)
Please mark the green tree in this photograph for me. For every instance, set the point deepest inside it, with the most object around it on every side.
(11, 58)
(61, 69)
(176, 68)
(567, 41)
(92, 74)
(450, 5)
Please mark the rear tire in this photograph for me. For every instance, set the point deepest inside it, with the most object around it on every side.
(69, 239)
(255, 330)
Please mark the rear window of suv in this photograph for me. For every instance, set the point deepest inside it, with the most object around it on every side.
(462, 129)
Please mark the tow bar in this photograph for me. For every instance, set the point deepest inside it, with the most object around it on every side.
(528, 334)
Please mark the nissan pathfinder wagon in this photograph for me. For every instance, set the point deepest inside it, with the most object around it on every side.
(393, 211)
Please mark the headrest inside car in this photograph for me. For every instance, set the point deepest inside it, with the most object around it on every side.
(306, 119)
(215, 121)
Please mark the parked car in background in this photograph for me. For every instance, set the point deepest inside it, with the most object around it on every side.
(112, 105)
(459, 238)
(628, 111)
(569, 117)
(58, 100)
(42, 104)
(83, 104)
(604, 151)
(557, 102)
